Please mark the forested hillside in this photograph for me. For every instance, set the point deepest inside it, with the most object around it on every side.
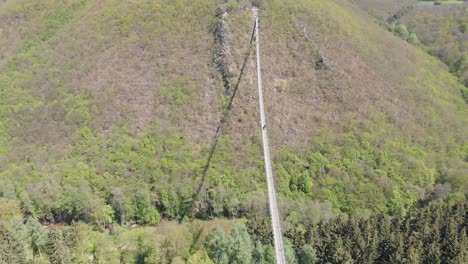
(438, 29)
(444, 31)
(109, 150)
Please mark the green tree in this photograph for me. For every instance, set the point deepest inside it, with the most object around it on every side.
(307, 255)
(239, 245)
(145, 211)
(289, 252)
(37, 236)
(79, 201)
(11, 251)
(103, 215)
(9, 211)
(263, 254)
(119, 203)
(216, 245)
(236, 247)
(200, 257)
(57, 249)
(402, 31)
(146, 253)
(413, 39)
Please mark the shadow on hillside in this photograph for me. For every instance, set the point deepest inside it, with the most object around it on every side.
(219, 132)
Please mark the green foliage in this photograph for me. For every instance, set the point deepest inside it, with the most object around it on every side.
(97, 246)
(103, 215)
(120, 204)
(307, 255)
(145, 253)
(263, 254)
(396, 172)
(257, 3)
(37, 236)
(289, 253)
(61, 17)
(391, 27)
(145, 212)
(200, 257)
(90, 164)
(11, 251)
(57, 249)
(10, 210)
(179, 93)
(239, 245)
(231, 5)
(441, 30)
(402, 31)
(109, 130)
(420, 235)
(236, 247)
(413, 39)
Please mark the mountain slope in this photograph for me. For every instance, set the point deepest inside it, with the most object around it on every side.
(109, 64)
(109, 109)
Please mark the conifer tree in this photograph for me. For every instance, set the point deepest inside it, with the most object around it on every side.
(37, 236)
(57, 249)
(239, 248)
(308, 255)
(216, 246)
(11, 251)
(263, 254)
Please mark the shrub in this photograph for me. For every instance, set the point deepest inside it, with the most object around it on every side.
(231, 6)
(402, 31)
(391, 27)
(257, 3)
(413, 39)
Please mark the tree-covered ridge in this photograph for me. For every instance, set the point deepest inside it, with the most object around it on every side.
(108, 110)
(443, 31)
